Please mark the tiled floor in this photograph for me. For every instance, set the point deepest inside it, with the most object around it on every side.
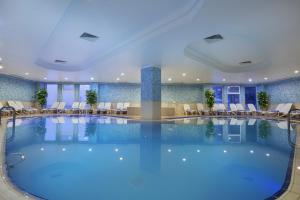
(9, 192)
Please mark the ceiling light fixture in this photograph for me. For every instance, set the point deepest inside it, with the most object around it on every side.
(66, 78)
(1, 67)
(224, 79)
(198, 79)
(92, 78)
(45, 78)
(26, 73)
(266, 78)
(183, 74)
(118, 79)
(169, 79)
(250, 80)
(296, 71)
(122, 74)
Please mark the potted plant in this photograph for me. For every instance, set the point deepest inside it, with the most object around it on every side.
(41, 97)
(91, 99)
(263, 100)
(210, 99)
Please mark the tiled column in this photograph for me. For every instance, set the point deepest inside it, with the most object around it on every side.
(151, 93)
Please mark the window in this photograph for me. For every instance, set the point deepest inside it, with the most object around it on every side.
(233, 93)
(250, 95)
(68, 95)
(218, 94)
(82, 92)
(52, 94)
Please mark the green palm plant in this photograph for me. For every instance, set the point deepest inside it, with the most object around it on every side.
(91, 97)
(41, 97)
(210, 98)
(263, 100)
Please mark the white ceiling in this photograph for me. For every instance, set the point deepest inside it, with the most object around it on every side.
(135, 33)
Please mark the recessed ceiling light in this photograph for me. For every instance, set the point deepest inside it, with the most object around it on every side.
(296, 71)
(66, 78)
(198, 79)
(1, 67)
(118, 79)
(169, 79)
(250, 79)
(183, 74)
(266, 78)
(122, 74)
(45, 78)
(26, 73)
(92, 78)
(224, 79)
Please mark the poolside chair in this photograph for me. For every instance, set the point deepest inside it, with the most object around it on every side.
(82, 107)
(240, 108)
(200, 108)
(222, 109)
(284, 125)
(15, 106)
(251, 122)
(120, 107)
(101, 107)
(233, 109)
(75, 107)
(107, 107)
(252, 109)
(273, 112)
(215, 108)
(187, 110)
(125, 107)
(284, 110)
(53, 108)
(61, 107)
(26, 109)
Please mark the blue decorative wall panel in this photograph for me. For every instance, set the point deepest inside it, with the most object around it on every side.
(12, 88)
(182, 93)
(121, 92)
(284, 91)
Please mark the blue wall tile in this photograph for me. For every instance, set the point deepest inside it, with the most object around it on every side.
(284, 91)
(121, 92)
(12, 88)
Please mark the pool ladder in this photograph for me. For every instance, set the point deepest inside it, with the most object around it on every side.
(14, 120)
(289, 128)
(20, 158)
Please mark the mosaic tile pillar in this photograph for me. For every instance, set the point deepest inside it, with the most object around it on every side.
(151, 93)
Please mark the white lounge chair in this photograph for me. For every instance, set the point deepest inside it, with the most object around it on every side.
(120, 108)
(252, 109)
(75, 107)
(82, 107)
(107, 107)
(101, 107)
(15, 106)
(233, 109)
(274, 112)
(26, 109)
(53, 108)
(61, 107)
(284, 110)
(240, 108)
(200, 108)
(125, 107)
(187, 110)
(222, 109)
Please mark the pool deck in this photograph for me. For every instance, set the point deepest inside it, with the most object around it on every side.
(10, 192)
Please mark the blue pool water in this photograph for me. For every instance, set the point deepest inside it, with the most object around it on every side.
(95, 158)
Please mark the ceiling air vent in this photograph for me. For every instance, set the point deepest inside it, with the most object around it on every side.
(60, 61)
(214, 38)
(245, 62)
(89, 37)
